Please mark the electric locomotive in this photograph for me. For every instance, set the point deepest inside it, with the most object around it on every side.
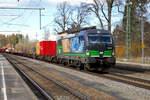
(91, 49)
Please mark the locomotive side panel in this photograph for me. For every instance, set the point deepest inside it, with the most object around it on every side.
(93, 49)
(77, 45)
(66, 45)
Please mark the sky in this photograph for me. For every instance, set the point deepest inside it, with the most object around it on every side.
(27, 21)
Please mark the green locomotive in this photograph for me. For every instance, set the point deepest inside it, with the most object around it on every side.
(91, 49)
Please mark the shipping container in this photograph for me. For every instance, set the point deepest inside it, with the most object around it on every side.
(66, 45)
(37, 48)
(2, 50)
(48, 48)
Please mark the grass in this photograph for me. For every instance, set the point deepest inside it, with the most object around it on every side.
(134, 60)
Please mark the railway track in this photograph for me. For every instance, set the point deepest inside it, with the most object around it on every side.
(51, 89)
(141, 83)
(137, 82)
(132, 68)
(39, 92)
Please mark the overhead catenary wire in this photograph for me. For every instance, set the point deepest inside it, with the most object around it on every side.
(9, 22)
(22, 8)
(39, 9)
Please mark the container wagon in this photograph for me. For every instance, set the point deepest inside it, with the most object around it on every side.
(2, 50)
(46, 50)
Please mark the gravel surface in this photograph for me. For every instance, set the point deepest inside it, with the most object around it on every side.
(56, 91)
(119, 90)
(90, 92)
(133, 67)
(147, 66)
(131, 73)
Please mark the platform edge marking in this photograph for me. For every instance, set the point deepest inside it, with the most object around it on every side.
(4, 84)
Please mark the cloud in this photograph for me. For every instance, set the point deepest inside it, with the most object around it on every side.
(15, 3)
(21, 3)
(71, 2)
(39, 3)
(8, 3)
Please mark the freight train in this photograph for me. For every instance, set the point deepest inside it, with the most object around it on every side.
(90, 49)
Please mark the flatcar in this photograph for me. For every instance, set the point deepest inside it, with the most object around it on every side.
(46, 50)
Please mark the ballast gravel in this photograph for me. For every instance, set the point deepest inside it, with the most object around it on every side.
(119, 90)
(144, 76)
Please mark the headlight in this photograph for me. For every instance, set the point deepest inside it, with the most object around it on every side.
(87, 53)
(113, 53)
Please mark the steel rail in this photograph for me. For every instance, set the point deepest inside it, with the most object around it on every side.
(131, 78)
(74, 92)
(42, 91)
(133, 69)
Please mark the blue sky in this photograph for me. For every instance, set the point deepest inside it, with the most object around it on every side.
(27, 21)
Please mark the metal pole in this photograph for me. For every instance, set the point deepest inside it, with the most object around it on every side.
(36, 36)
(142, 33)
(40, 18)
(128, 31)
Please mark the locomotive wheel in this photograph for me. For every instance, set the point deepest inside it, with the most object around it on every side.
(105, 68)
(65, 63)
(85, 67)
(82, 67)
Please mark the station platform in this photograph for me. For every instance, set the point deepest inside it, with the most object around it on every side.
(12, 86)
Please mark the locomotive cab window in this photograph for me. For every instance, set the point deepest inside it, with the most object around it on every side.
(100, 39)
(106, 39)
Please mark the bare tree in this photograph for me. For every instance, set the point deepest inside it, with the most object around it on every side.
(95, 8)
(109, 5)
(98, 8)
(119, 4)
(63, 16)
(79, 16)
